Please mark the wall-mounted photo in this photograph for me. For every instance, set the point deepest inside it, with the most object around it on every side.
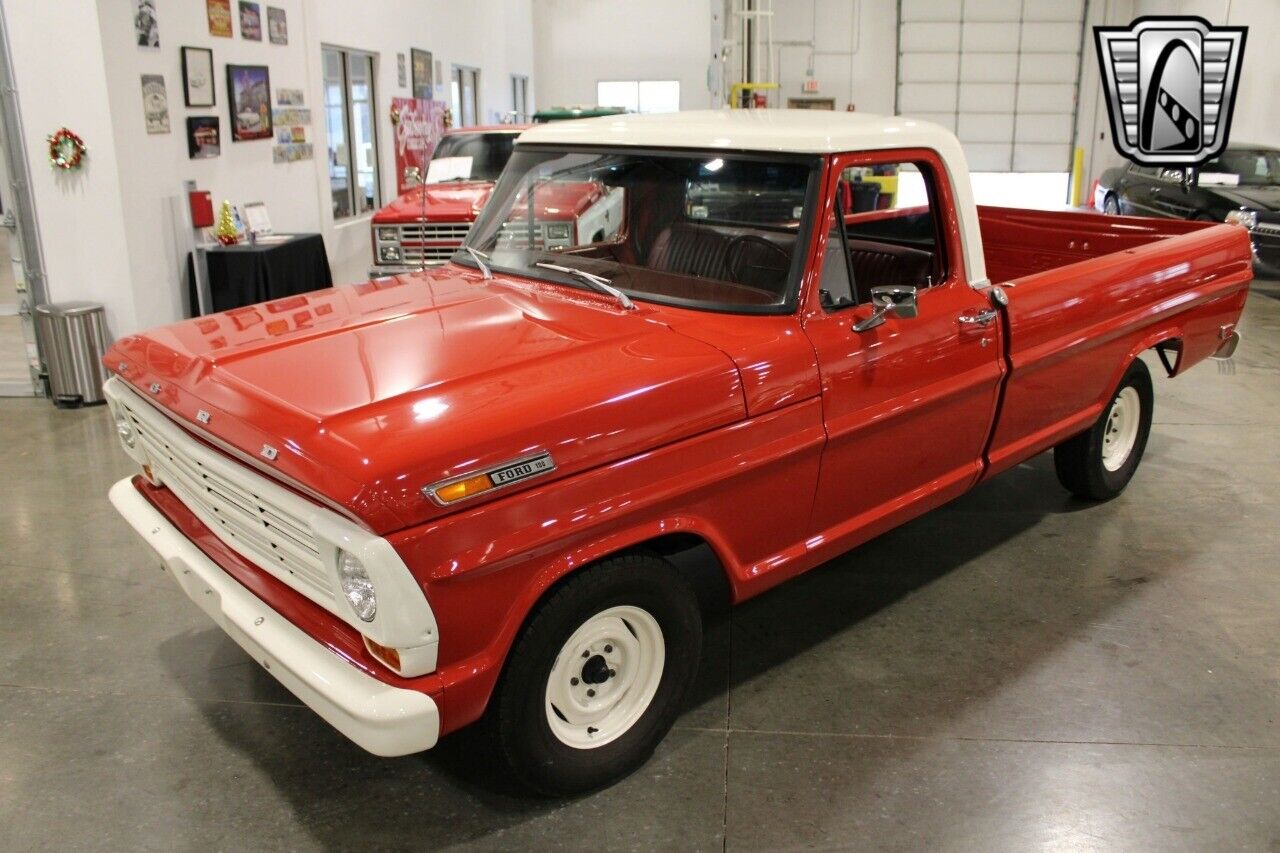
(155, 103)
(422, 82)
(144, 23)
(277, 25)
(204, 137)
(249, 88)
(250, 21)
(197, 77)
(219, 14)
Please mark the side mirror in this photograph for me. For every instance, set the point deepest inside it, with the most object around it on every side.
(412, 176)
(898, 300)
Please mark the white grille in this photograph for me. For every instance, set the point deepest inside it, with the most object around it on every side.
(432, 241)
(515, 235)
(230, 499)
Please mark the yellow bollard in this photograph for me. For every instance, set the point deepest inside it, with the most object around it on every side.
(1077, 177)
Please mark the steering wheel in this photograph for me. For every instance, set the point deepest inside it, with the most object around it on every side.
(756, 262)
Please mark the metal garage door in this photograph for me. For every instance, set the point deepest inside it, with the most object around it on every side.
(1001, 74)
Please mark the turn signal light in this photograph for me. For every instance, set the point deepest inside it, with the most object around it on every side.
(463, 489)
(386, 655)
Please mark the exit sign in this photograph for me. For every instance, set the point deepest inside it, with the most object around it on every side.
(810, 84)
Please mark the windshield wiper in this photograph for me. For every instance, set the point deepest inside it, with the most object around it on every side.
(479, 257)
(600, 283)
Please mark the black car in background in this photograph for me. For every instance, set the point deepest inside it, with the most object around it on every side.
(1241, 186)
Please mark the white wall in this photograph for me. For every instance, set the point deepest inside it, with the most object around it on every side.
(581, 42)
(115, 232)
(851, 46)
(56, 51)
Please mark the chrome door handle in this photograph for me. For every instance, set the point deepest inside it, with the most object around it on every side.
(982, 318)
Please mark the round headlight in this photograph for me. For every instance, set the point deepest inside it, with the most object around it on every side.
(357, 587)
(125, 429)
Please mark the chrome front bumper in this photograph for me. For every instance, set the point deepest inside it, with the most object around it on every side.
(382, 719)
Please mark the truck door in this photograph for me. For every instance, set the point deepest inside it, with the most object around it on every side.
(908, 403)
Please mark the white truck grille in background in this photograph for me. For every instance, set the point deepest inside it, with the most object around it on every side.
(431, 242)
(515, 235)
(228, 498)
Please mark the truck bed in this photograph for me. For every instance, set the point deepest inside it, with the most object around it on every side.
(1020, 243)
(1087, 294)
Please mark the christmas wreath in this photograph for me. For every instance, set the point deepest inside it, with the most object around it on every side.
(66, 149)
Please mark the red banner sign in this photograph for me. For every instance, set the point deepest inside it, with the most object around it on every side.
(419, 130)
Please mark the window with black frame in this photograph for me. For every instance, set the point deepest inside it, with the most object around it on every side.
(715, 231)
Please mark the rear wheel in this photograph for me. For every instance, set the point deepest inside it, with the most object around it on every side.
(1098, 464)
(1110, 205)
(598, 676)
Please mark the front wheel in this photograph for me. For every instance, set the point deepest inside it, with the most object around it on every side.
(598, 675)
(1098, 464)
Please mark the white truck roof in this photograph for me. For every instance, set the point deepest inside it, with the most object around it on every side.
(794, 131)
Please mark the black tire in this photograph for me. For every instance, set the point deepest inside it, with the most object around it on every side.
(1111, 205)
(518, 714)
(1080, 461)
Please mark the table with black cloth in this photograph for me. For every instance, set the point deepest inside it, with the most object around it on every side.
(246, 273)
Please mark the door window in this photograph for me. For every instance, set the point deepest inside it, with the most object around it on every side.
(885, 218)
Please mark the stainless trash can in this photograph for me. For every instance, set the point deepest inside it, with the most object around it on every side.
(73, 339)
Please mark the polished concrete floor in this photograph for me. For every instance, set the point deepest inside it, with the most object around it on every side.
(1017, 670)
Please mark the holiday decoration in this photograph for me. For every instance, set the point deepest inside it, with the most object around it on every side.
(226, 230)
(66, 149)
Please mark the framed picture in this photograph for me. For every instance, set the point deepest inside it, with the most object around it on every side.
(422, 82)
(219, 14)
(144, 23)
(197, 77)
(249, 94)
(277, 25)
(204, 137)
(250, 21)
(155, 103)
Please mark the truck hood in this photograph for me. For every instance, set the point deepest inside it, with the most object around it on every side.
(369, 392)
(451, 202)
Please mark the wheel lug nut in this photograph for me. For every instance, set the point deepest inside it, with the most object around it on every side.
(612, 673)
(573, 681)
(587, 653)
(608, 649)
(591, 693)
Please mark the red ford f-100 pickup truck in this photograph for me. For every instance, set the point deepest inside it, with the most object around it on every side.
(426, 225)
(450, 495)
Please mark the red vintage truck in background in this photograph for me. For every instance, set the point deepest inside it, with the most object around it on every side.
(450, 495)
(426, 225)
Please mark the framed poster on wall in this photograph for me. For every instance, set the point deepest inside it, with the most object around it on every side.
(249, 93)
(422, 78)
(197, 77)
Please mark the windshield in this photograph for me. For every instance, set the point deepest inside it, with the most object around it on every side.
(715, 231)
(470, 157)
(1251, 167)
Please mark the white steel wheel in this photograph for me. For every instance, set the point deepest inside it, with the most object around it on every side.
(604, 677)
(1121, 431)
